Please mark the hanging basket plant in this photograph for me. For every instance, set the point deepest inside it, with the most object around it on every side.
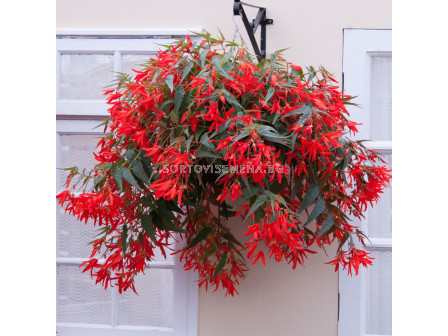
(203, 133)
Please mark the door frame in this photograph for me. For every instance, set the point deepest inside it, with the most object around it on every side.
(359, 47)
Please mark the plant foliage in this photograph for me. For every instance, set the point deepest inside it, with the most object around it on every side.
(277, 143)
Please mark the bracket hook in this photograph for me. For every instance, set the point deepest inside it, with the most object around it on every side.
(251, 27)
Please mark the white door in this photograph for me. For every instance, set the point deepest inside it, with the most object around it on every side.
(366, 299)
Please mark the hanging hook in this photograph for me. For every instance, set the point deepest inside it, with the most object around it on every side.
(251, 28)
(236, 34)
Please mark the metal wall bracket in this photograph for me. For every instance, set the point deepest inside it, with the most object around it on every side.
(251, 27)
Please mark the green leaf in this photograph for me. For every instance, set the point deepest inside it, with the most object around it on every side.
(169, 81)
(342, 164)
(139, 172)
(173, 207)
(271, 134)
(209, 252)
(274, 120)
(118, 178)
(231, 238)
(310, 196)
(146, 221)
(311, 73)
(232, 100)
(161, 209)
(130, 154)
(305, 110)
(270, 93)
(157, 221)
(232, 44)
(156, 75)
(167, 217)
(199, 237)
(296, 189)
(198, 133)
(172, 227)
(260, 200)
(128, 177)
(248, 194)
(329, 222)
(203, 152)
(190, 139)
(147, 165)
(317, 210)
(124, 237)
(180, 92)
(304, 117)
(221, 264)
(242, 134)
(205, 141)
(221, 71)
(174, 118)
(202, 56)
(186, 101)
(96, 181)
(179, 62)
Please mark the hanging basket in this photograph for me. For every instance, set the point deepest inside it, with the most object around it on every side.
(203, 133)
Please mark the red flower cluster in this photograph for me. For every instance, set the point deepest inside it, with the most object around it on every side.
(205, 105)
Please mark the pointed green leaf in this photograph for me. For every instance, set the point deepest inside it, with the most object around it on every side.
(198, 133)
(170, 226)
(156, 75)
(139, 172)
(242, 135)
(296, 189)
(118, 178)
(180, 92)
(202, 56)
(130, 154)
(317, 210)
(157, 221)
(329, 222)
(174, 118)
(230, 237)
(203, 152)
(186, 71)
(221, 264)
(231, 99)
(190, 139)
(260, 200)
(173, 207)
(169, 81)
(205, 141)
(124, 237)
(128, 177)
(161, 209)
(147, 225)
(209, 252)
(305, 110)
(96, 181)
(222, 72)
(199, 237)
(270, 93)
(310, 196)
(248, 194)
(147, 165)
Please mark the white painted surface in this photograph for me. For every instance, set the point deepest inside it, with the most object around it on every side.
(185, 291)
(359, 47)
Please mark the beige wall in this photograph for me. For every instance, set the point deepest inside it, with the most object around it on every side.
(273, 300)
(312, 29)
